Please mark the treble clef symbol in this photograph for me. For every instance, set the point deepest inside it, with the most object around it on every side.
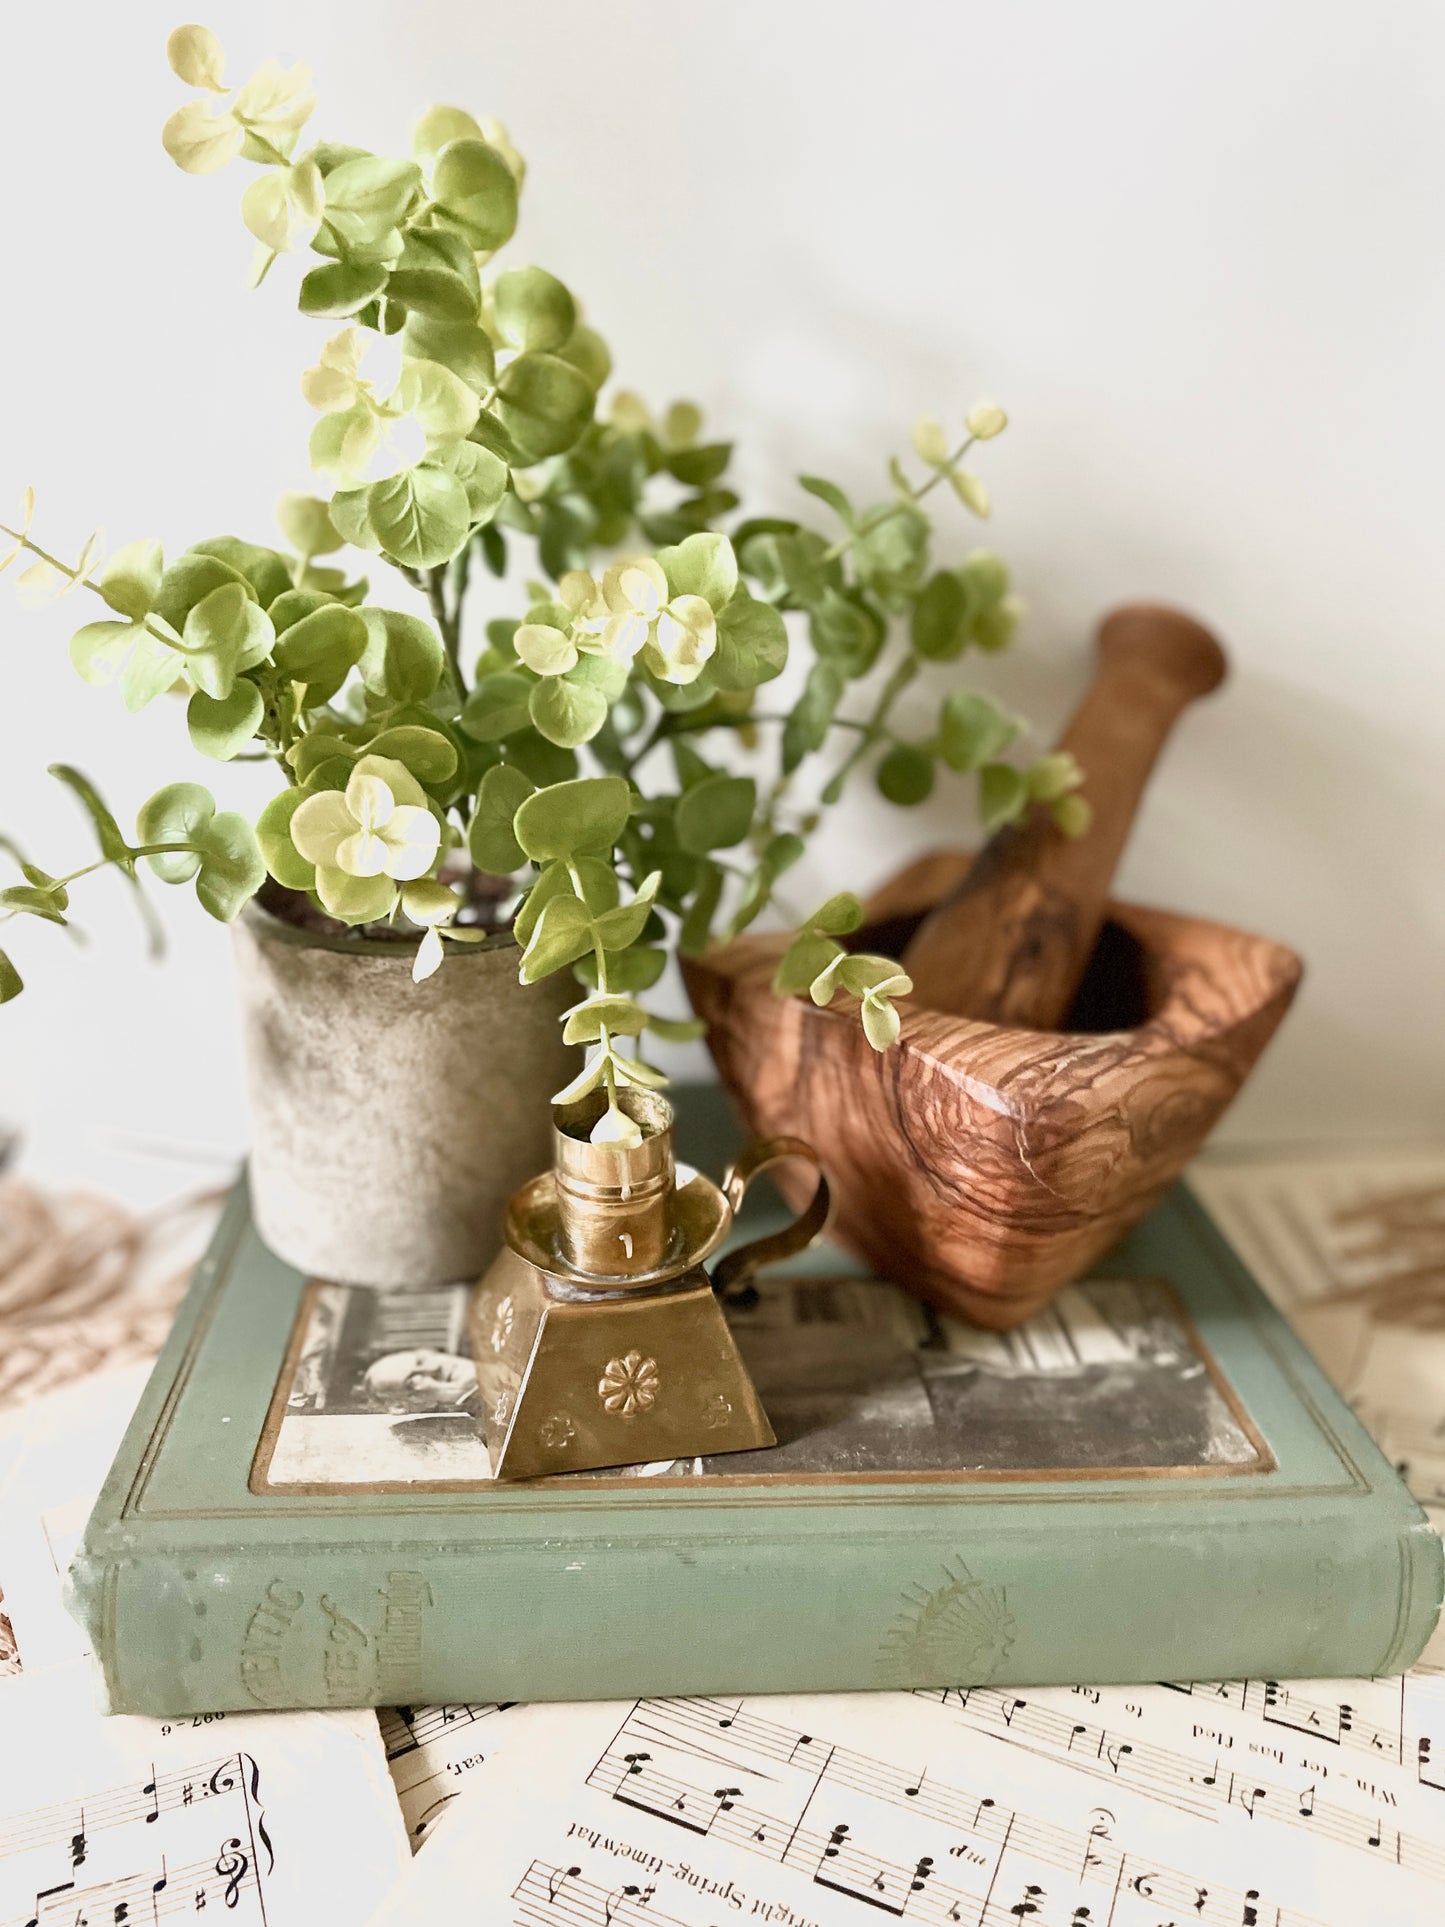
(232, 1866)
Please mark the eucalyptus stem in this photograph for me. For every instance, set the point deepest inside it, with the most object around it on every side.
(873, 730)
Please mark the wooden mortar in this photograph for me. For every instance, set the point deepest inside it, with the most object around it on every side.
(1062, 1056)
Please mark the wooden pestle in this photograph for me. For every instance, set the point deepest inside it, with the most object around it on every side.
(1011, 944)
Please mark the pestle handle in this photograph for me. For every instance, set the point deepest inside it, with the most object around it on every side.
(1011, 944)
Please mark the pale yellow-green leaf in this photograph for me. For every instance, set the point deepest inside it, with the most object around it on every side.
(283, 206)
(306, 523)
(544, 649)
(429, 957)
(275, 102)
(985, 420)
(131, 579)
(439, 402)
(195, 57)
(437, 126)
(970, 491)
(199, 141)
(929, 441)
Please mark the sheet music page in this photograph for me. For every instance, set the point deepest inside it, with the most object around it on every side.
(1067, 1808)
(272, 1820)
(433, 1751)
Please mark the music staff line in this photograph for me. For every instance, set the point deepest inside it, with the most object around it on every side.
(922, 1889)
(144, 1899)
(123, 1806)
(405, 1728)
(1180, 1780)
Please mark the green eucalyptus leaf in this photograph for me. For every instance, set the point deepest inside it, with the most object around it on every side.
(348, 512)
(905, 774)
(715, 814)
(830, 493)
(459, 345)
(562, 933)
(322, 649)
(339, 289)
(473, 182)
(222, 726)
(11, 982)
(972, 730)
(620, 928)
(752, 644)
(491, 836)
(226, 632)
(566, 712)
(589, 354)
(811, 717)
(481, 473)
(570, 819)
(703, 565)
(437, 126)
(891, 548)
(781, 853)
(306, 523)
(273, 835)
(847, 631)
(131, 579)
(617, 1014)
(176, 813)
(319, 746)
(544, 403)
(533, 309)
(554, 880)
(436, 276)
(232, 867)
(268, 573)
(602, 673)
(153, 668)
(367, 198)
(697, 467)
(806, 957)
(498, 706)
(440, 403)
(420, 516)
(939, 624)
(544, 762)
(838, 915)
(29, 900)
(696, 928)
(99, 650)
(628, 970)
(188, 581)
(1003, 795)
(430, 756)
(287, 610)
(403, 660)
(113, 846)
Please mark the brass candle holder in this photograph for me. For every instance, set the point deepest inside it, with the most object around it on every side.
(598, 1334)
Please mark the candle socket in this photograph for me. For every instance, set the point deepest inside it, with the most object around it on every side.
(597, 1335)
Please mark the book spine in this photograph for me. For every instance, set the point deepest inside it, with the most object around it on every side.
(205, 1628)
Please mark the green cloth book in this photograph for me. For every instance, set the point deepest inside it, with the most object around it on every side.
(1150, 1481)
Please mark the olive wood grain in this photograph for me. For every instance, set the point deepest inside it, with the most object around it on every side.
(1012, 943)
(982, 1166)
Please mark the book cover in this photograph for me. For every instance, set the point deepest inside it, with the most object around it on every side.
(1150, 1481)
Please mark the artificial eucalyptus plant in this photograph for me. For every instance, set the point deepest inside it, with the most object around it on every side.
(584, 749)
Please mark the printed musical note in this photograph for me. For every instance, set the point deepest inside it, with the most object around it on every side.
(555, 1881)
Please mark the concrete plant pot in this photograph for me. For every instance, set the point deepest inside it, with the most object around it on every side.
(392, 1121)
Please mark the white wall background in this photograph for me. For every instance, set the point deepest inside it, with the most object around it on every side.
(1196, 248)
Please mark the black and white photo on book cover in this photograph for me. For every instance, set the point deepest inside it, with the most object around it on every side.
(380, 1390)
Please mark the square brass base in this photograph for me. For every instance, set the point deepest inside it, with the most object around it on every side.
(575, 1384)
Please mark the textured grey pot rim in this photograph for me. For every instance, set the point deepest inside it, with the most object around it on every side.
(268, 925)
